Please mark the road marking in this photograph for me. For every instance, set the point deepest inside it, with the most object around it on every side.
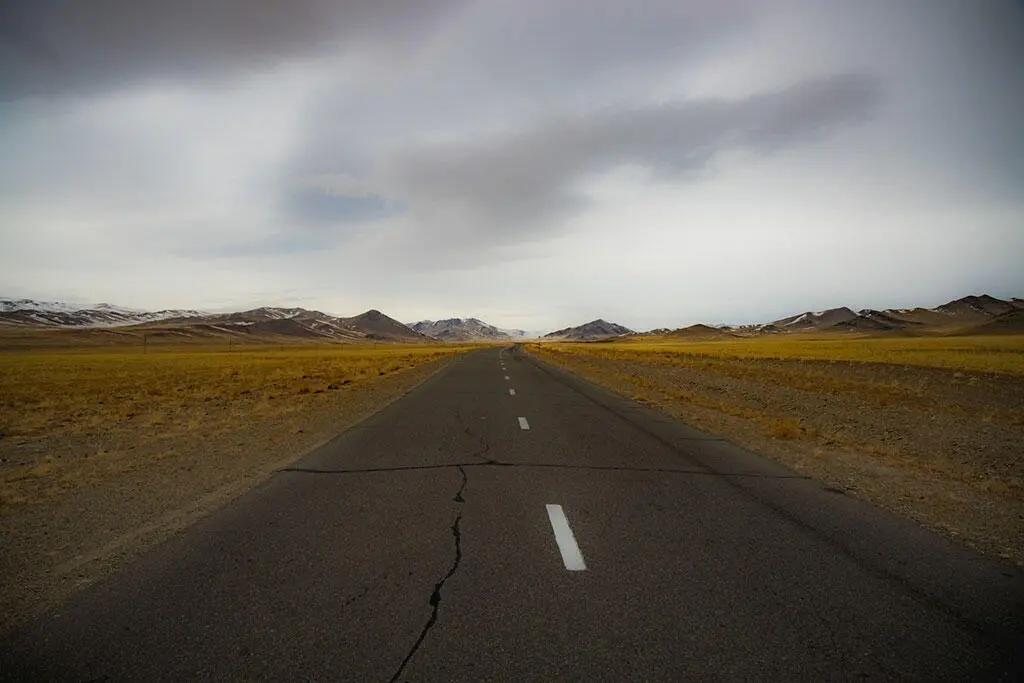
(571, 555)
(511, 392)
(523, 424)
(507, 377)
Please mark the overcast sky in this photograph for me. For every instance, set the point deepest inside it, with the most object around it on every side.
(534, 163)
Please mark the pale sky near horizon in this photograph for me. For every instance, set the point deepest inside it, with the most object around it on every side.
(533, 163)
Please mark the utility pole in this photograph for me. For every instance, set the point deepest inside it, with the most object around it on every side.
(145, 343)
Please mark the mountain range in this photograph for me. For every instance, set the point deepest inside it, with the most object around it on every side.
(58, 314)
(258, 324)
(106, 323)
(972, 314)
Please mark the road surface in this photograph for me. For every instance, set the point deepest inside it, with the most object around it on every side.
(508, 521)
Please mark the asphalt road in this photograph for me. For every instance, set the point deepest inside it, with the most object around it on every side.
(419, 546)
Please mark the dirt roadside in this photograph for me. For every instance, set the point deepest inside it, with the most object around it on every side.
(72, 539)
(943, 447)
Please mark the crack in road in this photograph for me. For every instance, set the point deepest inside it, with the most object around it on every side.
(435, 596)
(481, 454)
(485, 446)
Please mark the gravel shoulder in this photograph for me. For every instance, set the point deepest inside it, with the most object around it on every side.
(942, 447)
(149, 483)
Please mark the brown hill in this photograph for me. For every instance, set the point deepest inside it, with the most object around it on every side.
(961, 316)
(1011, 322)
(921, 317)
(869, 320)
(700, 332)
(815, 320)
(374, 325)
(868, 323)
(595, 329)
(977, 307)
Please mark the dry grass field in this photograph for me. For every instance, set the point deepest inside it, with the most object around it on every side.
(929, 427)
(111, 399)
(1002, 353)
(105, 452)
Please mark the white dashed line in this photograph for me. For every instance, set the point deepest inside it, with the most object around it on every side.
(507, 377)
(523, 424)
(511, 392)
(571, 555)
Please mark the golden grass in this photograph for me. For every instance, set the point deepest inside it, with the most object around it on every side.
(785, 428)
(1000, 354)
(75, 418)
(52, 393)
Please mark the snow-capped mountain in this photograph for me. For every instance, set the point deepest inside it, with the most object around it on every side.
(258, 323)
(11, 305)
(460, 329)
(59, 314)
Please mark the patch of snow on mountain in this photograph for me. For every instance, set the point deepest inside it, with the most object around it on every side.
(801, 318)
(12, 305)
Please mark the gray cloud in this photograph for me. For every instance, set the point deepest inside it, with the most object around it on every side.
(502, 63)
(512, 188)
(58, 47)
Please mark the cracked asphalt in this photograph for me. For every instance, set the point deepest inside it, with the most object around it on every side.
(416, 547)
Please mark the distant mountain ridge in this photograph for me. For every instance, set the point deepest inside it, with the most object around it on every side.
(701, 332)
(460, 330)
(974, 314)
(595, 329)
(266, 320)
(58, 314)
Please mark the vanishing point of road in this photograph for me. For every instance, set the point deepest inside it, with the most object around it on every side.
(506, 521)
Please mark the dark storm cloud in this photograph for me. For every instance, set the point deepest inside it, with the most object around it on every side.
(73, 46)
(512, 187)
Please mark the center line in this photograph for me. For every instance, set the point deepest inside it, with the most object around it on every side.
(507, 377)
(511, 392)
(523, 424)
(571, 555)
